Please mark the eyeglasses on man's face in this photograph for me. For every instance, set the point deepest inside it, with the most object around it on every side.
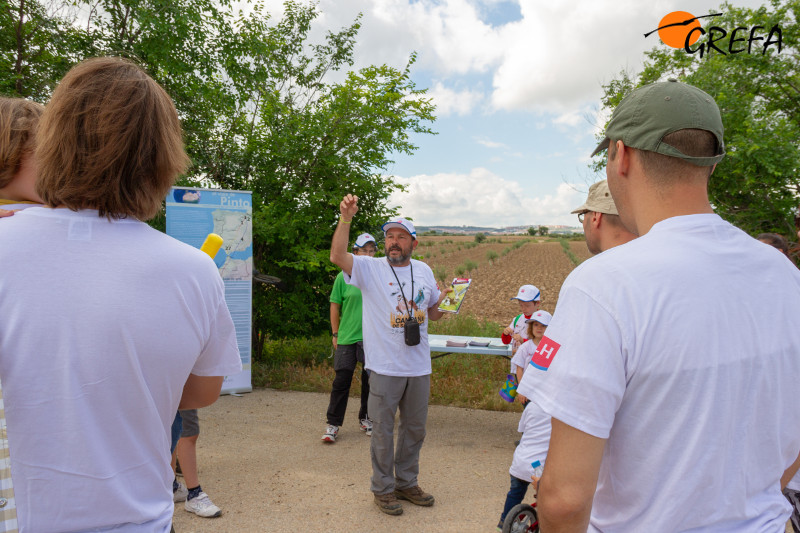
(581, 216)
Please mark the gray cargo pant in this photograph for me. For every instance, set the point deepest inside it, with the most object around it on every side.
(397, 469)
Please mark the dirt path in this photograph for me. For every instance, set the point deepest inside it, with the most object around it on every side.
(262, 461)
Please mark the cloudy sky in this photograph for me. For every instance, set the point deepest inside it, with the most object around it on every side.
(517, 85)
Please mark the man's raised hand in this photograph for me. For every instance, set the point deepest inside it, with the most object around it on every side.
(349, 207)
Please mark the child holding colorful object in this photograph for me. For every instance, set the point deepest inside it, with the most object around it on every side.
(536, 325)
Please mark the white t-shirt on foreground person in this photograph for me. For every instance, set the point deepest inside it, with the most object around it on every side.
(102, 323)
(384, 309)
(688, 364)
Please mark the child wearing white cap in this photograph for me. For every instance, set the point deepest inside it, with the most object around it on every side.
(535, 328)
(529, 298)
(534, 423)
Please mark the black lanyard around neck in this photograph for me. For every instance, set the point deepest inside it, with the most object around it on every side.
(401, 286)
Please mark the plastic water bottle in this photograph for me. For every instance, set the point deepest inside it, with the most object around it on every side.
(538, 467)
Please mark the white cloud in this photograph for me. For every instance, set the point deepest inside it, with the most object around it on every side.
(481, 198)
(450, 102)
(572, 118)
(551, 60)
(490, 144)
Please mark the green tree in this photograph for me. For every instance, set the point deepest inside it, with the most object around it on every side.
(543, 230)
(38, 44)
(531, 231)
(260, 114)
(480, 237)
(756, 186)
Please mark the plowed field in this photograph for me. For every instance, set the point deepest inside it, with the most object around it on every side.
(540, 263)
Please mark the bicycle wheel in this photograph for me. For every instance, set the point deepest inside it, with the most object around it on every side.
(521, 519)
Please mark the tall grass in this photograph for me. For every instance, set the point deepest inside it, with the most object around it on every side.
(463, 380)
(568, 251)
(470, 265)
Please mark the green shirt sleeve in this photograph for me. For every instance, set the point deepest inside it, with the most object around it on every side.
(349, 297)
(337, 293)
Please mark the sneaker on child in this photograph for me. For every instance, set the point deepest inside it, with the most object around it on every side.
(179, 494)
(330, 433)
(201, 505)
(366, 425)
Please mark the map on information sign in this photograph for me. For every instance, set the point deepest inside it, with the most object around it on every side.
(192, 214)
(236, 230)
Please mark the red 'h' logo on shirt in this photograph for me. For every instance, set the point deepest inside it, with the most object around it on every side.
(545, 353)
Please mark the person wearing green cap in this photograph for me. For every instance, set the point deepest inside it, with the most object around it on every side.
(668, 378)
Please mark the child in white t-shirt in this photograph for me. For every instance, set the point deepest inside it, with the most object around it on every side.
(534, 423)
(536, 326)
(533, 445)
(529, 298)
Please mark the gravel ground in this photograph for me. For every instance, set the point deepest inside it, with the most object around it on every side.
(262, 461)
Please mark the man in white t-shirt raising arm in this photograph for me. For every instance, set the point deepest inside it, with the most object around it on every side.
(671, 363)
(399, 296)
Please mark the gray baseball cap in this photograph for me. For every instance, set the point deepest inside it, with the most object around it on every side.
(649, 113)
(599, 200)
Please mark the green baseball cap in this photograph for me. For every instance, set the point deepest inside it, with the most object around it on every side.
(649, 113)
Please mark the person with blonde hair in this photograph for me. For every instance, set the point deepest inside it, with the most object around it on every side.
(109, 325)
(18, 121)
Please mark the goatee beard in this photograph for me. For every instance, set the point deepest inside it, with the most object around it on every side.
(397, 261)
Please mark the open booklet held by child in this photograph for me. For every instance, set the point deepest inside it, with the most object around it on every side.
(452, 303)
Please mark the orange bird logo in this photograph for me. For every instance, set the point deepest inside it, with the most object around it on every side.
(675, 26)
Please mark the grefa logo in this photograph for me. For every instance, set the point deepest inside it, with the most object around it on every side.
(681, 29)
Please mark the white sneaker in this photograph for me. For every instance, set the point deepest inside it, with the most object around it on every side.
(202, 506)
(180, 494)
(330, 433)
(366, 425)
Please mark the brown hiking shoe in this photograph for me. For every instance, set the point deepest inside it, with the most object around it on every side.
(388, 504)
(415, 495)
